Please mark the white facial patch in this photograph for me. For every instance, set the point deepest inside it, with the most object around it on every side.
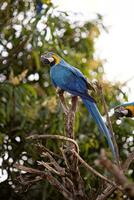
(51, 59)
(125, 112)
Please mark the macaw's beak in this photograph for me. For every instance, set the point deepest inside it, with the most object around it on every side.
(118, 114)
(44, 59)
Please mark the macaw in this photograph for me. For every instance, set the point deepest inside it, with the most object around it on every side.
(124, 110)
(70, 79)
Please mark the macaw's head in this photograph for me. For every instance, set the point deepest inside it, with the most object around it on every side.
(124, 111)
(50, 58)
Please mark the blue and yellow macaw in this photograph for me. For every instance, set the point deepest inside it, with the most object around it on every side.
(124, 110)
(70, 79)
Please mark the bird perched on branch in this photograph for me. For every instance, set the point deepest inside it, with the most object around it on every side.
(70, 79)
(124, 110)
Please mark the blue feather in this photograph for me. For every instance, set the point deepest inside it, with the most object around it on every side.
(127, 104)
(93, 110)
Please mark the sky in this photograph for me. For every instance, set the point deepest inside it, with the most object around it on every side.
(117, 46)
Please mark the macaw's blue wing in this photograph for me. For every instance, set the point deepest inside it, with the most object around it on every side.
(92, 108)
(70, 79)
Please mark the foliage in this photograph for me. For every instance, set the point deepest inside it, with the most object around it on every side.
(28, 103)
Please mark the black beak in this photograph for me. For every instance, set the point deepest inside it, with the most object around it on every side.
(118, 114)
(45, 60)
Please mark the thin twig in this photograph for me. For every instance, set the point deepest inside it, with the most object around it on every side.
(65, 158)
(53, 137)
(52, 180)
(55, 164)
(128, 161)
(68, 184)
(43, 148)
(30, 182)
(93, 171)
(110, 189)
(51, 169)
(118, 175)
(106, 192)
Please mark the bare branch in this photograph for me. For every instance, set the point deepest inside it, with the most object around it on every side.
(71, 160)
(128, 161)
(65, 158)
(118, 175)
(74, 103)
(60, 93)
(29, 182)
(110, 189)
(51, 169)
(52, 180)
(29, 170)
(106, 193)
(67, 179)
(61, 170)
(53, 137)
(93, 171)
(43, 148)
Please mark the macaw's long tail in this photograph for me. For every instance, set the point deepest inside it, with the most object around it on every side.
(93, 110)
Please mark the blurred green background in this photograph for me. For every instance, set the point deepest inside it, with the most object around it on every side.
(28, 102)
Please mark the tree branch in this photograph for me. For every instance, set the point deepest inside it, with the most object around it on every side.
(42, 148)
(110, 189)
(53, 137)
(106, 192)
(93, 171)
(118, 175)
(128, 161)
(47, 175)
(67, 180)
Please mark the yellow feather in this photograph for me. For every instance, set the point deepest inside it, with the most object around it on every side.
(57, 59)
(131, 108)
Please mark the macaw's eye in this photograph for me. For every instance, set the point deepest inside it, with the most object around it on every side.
(44, 59)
